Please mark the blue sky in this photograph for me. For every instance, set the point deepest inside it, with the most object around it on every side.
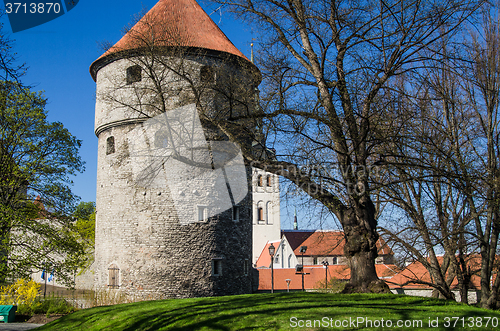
(59, 53)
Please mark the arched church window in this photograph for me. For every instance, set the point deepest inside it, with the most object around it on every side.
(110, 145)
(268, 180)
(260, 212)
(260, 180)
(269, 207)
(134, 74)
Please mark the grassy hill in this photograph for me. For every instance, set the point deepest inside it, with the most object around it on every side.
(283, 311)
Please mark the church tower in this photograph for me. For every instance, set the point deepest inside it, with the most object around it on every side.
(174, 202)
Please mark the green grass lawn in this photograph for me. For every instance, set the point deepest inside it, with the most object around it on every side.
(282, 311)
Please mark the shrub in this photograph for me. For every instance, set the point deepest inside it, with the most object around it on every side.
(334, 285)
(51, 306)
(22, 292)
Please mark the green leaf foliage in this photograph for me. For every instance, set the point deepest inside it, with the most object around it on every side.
(37, 160)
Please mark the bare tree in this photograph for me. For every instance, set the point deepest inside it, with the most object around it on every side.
(482, 86)
(326, 65)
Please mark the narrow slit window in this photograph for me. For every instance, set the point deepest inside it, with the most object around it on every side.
(216, 267)
(134, 74)
(268, 179)
(110, 145)
(245, 267)
(236, 213)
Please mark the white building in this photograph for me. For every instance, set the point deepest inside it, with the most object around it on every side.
(266, 210)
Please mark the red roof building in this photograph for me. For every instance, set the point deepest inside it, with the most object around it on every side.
(314, 277)
(322, 245)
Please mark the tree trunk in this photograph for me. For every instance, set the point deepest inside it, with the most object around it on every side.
(361, 248)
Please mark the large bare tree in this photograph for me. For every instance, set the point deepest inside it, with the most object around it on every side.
(326, 65)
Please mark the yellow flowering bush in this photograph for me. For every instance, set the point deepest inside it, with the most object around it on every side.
(22, 292)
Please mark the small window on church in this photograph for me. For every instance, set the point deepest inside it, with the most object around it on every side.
(268, 179)
(134, 74)
(113, 276)
(110, 145)
(207, 74)
(260, 214)
(269, 219)
(216, 267)
(260, 180)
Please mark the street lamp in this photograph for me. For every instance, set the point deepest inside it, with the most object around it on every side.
(272, 249)
(325, 263)
(288, 284)
(302, 250)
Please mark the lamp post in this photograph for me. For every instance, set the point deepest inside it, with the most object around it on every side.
(325, 263)
(303, 249)
(271, 253)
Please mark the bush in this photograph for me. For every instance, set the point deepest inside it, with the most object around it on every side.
(47, 306)
(334, 285)
(22, 292)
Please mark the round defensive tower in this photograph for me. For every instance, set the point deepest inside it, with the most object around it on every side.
(173, 203)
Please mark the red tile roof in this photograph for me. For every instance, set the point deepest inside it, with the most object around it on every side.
(417, 271)
(175, 23)
(324, 243)
(314, 274)
(264, 259)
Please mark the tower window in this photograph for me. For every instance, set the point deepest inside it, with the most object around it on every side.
(216, 267)
(260, 180)
(207, 74)
(245, 267)
(110, 145)
(268, 179)
(269, 219)
(202, 213)
(161, 139)
(113, 276)
(236, 213)
(260, 213)
(134, 74)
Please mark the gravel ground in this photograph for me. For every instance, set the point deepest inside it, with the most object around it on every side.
(18, 326)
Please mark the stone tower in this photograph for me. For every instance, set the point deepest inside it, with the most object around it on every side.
(174, 202)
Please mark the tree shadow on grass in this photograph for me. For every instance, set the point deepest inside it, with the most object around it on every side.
(256, 312)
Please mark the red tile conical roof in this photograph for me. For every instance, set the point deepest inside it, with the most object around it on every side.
(174, 23)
